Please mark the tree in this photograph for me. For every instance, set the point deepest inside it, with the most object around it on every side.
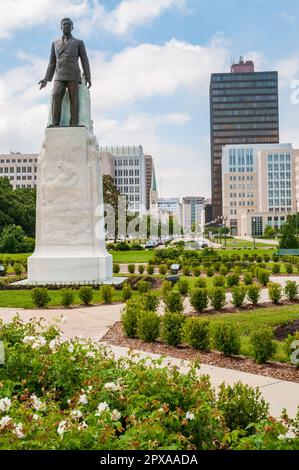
(269, 232)
(288, 239)
(13, 240)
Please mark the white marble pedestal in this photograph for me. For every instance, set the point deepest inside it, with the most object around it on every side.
(70, 239)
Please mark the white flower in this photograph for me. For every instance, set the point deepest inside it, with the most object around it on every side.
(61, 428)
(115, 415)
(76, 414)
(103, 406)
(190, 415)
(36, 402)
(5, 404)
(54, 343)
(89, 388)
(35, 417)
(39, 342)
(5, 421)
(71, 348)
(83, 399)
(111, 386)
(90, 354)
(18, 431)
(82, 425)
(161, 410)
(28, 339)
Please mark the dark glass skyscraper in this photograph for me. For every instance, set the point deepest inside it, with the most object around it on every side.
(244, 110)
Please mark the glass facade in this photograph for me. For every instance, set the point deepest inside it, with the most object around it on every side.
(279, 182)
(244, 110)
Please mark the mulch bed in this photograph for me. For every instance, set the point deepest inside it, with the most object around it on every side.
(275, 370)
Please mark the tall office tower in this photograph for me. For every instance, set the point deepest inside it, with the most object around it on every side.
(244, 110)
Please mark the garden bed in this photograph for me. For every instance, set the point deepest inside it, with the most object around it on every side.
(280, 371)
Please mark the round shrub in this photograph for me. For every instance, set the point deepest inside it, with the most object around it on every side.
(122, 246)
(262, 345)
(18, 269)
(166, 288)
(182, 286)
(275, 292)
(217, 297)
(67, 297)
(172, 328)
(210, 272)
(197, 334)
(253, 294)
(223, 270)
(136, 247)
(86, 294)
(241, 406)
(150, 302)
(226, 339)
(131, 268)
(106, 292)
(150, 269)
(199, 299)
(201, 283)
(129, 317)
(143, 286)
(266, 258)
(141, 269)
(219, 281)
(116, 268)
(232, 280)
(174, 302)
(163, 269)
(263, 276)
(40, 297)
(187, 271)
(291, 290)
(148, 326)
(248, 278)
(289, 268)
(196, 271)
(126, 292)
(239, 295)
(275, 268)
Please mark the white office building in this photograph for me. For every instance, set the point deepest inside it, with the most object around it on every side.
(171, 206)
(19, 168)
(130, 174)
(193, 213)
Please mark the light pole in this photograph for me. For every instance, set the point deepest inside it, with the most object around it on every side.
(254, 230)
(225, 220)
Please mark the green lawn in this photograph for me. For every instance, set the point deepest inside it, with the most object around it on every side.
(22, 298)
(128, 257)
(234, 242)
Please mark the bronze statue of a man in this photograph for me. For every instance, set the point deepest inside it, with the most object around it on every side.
(63, 62)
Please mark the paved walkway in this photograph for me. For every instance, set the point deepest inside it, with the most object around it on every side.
(268, 241)
(94, 322)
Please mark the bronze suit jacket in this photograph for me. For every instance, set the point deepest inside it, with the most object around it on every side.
(64, 61)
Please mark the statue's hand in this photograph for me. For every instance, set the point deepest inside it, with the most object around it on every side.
(88, 83)
(42, 83)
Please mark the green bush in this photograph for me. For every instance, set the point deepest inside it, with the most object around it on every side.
(116, 268)
(253, 294)
(248, 278)
(18, 269)
(141, 269)
(182, 286)
(232, 280)
(196, 271)
(197, 334)
(106, 293)
(129, 317)
(143, 286)
(126, 292)
(186, 270)
(67, 297)
(289, 268)
(275, 292)
(239, 295)
(210, 272)
(201, 283)
(266, 258)
(136, 247)
(163, 269)
(172, 328)
(291, 290)
(122, 246)
(241, 406)
(166, 288)
(223, 270)
(263, 276)
(131, 268)
(219, 281)
(150, 269)
(217, 297)
(275, 268)
(262, 345)
(148, 326)
(174, 302)
(86, 294)
(40, 297)
(199, 299)
(150, 302)
(226, 339)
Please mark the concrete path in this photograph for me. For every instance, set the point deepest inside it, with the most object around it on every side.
(278, 393)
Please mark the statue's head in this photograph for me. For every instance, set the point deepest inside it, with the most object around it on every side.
(66, 26)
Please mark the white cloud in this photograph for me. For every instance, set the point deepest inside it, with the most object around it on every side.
(288, 69)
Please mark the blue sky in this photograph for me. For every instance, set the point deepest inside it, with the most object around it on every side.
(151, 61)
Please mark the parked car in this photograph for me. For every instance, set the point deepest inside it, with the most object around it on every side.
(150, 244)
(2, 270)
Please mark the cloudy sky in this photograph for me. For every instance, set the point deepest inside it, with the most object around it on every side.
(151, 62)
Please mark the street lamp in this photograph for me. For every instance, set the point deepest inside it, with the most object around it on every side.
(225, 220)
(254, 230)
